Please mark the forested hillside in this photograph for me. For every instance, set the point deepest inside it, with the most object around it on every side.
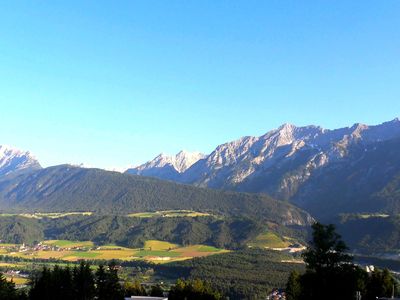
(132, 232)
(67, 188)
(371, 234)
(246, 274)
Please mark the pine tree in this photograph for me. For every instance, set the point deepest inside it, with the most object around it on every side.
(326, 250)
(83, 282)
(380, 284)
(41, 286)
(293, 287)
(134, 289)
(107, 283)
(7, 289)
(101, 283)
(156, 291)
(330, 275)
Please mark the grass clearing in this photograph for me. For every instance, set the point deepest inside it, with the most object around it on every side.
(47, 254)
(18, 280)
(159, 245)
(85, 254)
(8, 265)
(367, 216)
(123, 254)
(205, 248)
(2, 245)
(160, 253)
(68, 244)
(269, 240)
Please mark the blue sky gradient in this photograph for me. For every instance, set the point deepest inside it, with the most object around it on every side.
(114, 83)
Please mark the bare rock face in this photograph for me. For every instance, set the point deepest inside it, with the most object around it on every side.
(168, 167)
(285, 163)
(14, 160)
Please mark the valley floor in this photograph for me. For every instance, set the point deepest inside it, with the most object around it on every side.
(153, 251)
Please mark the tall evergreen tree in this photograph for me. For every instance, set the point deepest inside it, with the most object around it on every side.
(380, 284)
(83, 282)
(7, 289)
(156, 291)
(134, 289)
(330, 275)
(101, 283)
(326, 250)
(41, 285)
(107, 284)
(61, 283)
(293, 287)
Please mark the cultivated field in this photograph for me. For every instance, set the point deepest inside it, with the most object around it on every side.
(17, 280)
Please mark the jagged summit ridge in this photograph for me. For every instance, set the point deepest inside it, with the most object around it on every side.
(279, 162)
(178, 163)
(13, 160)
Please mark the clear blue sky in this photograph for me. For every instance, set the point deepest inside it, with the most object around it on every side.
(113, 83)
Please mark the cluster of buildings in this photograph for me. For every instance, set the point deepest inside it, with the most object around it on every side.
(277, 294)
(45, 247)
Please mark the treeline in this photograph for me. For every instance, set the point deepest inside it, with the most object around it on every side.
(8, 290)
(331, 275)
(132, 232)
(82, 283)
(78, 283)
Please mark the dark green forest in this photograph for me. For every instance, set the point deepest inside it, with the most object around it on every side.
(132, 232)
(66, 188)
(245, 274)
(370, 234)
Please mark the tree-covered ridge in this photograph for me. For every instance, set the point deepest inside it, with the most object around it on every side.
(131, 232)
(67, 188)
(370, 233)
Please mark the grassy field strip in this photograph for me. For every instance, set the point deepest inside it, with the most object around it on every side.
(47, 215)
(68, 244)
(169, 214)
(367, 216)
(159, 245)
(18, 280)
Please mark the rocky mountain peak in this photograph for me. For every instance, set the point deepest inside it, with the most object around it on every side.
(12, 160)
(179, 162)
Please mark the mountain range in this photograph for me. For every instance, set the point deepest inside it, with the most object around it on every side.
(166, 166)
(328, 173)
(323, 171)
